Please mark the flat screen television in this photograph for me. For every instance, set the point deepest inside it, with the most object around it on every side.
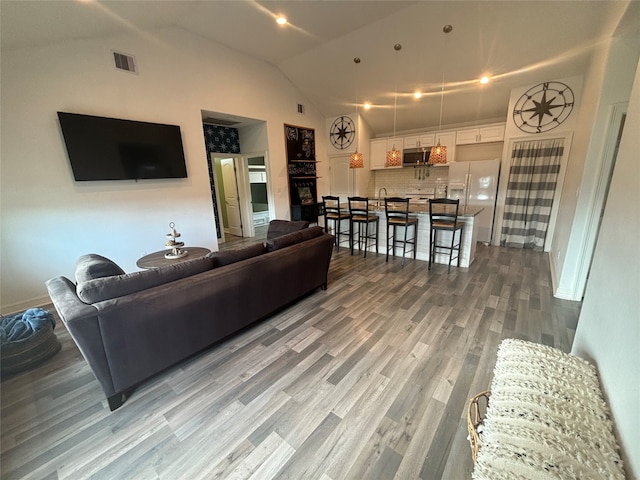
(101, 148)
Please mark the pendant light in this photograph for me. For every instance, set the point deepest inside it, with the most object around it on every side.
(439, 152)
(356, 160)
(394, 157)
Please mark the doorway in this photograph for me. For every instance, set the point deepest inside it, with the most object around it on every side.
(614, 135)
(242, 198)
(533, 187)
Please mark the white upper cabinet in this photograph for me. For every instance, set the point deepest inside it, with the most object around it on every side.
(447, 139)
(378, 152)
(379, 149)
(493, 133)
(419, 141)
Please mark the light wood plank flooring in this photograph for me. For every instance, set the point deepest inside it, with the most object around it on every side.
(366, 380)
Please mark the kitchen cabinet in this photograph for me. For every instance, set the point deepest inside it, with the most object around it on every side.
(379, 148)
(447, 139)
(493, 133)
(419, 141)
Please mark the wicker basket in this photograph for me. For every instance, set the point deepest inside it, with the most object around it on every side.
(476, 412)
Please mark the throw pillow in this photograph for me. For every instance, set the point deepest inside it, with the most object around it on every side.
(277, 228)
(92, 266)
(293, 238)
(225, 257)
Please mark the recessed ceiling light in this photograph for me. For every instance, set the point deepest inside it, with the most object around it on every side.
(484, 80)
(417, 95)
(281, 20)
(367, 105)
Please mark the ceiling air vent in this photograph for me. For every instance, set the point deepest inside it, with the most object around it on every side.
(301, 109)
(125, 62)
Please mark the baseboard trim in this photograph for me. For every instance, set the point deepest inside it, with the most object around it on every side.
(24, 305)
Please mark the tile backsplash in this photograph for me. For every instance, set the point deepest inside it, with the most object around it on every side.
(403, 181)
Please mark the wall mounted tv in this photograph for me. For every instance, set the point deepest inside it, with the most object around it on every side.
(101, 148)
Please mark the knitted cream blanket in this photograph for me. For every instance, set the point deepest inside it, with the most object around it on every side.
(547, 419)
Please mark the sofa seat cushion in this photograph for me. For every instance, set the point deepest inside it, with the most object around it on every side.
(226, 257)
(277, 228)
(100, 289)
(547, 418)
(293, 238)
(92, 266)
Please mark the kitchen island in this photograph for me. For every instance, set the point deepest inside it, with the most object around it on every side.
(420, 208)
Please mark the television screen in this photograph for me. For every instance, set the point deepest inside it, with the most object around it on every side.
(101, 148)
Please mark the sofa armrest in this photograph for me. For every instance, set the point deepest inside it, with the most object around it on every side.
(81, 320)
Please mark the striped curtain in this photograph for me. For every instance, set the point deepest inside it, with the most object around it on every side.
(533, 175)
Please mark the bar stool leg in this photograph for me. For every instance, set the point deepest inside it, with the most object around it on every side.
(415, 238)
(387, 259)
(404, 245)
(432, 239)
(393, 240)
(453, 241)
(351, 230)
(460, 247)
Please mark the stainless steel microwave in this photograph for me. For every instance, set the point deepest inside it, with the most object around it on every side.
(415, 156)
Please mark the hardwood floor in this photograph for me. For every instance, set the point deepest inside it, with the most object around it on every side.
(366, 380)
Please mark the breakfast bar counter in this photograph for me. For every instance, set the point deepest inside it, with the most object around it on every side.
(420, 209)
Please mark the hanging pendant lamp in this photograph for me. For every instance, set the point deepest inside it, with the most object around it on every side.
(439, 152)
(394, 157)
(356, 160)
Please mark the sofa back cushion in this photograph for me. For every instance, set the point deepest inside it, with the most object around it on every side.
(105, 288)
(225, 257)
(277, 228)
(293, 238)
(92, 266)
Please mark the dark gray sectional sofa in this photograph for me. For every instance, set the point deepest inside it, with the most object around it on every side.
(130, 327)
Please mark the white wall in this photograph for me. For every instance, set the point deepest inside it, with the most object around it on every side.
(608, 330)
(48, 219)
(608, 81)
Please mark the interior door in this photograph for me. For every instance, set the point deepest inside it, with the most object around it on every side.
(231, 197)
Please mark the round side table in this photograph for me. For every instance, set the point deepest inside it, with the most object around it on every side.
(157, 259)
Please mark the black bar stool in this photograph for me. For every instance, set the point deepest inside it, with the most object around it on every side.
(444, 217)
(333, 213)
(359, 211)
(397, 212)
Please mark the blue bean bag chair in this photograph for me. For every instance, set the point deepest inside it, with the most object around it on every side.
(26, 340)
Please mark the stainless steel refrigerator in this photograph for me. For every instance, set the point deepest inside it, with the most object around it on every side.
(476, 184)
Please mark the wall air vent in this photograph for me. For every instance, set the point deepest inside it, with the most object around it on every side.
(301, 109)
(125, 62)
(225, 122)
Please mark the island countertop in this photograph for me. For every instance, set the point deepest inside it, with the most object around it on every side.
(421, 207)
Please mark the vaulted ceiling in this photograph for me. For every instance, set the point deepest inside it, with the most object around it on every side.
(516, 43)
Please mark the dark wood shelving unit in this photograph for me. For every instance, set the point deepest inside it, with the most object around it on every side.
(302, 173)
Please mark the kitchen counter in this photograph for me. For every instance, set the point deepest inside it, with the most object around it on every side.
(420, 208)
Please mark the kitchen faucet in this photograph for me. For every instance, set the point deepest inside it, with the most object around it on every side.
(380, 190)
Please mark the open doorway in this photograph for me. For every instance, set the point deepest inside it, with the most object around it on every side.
(223, 133)
(242, 195)
(607, 166)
